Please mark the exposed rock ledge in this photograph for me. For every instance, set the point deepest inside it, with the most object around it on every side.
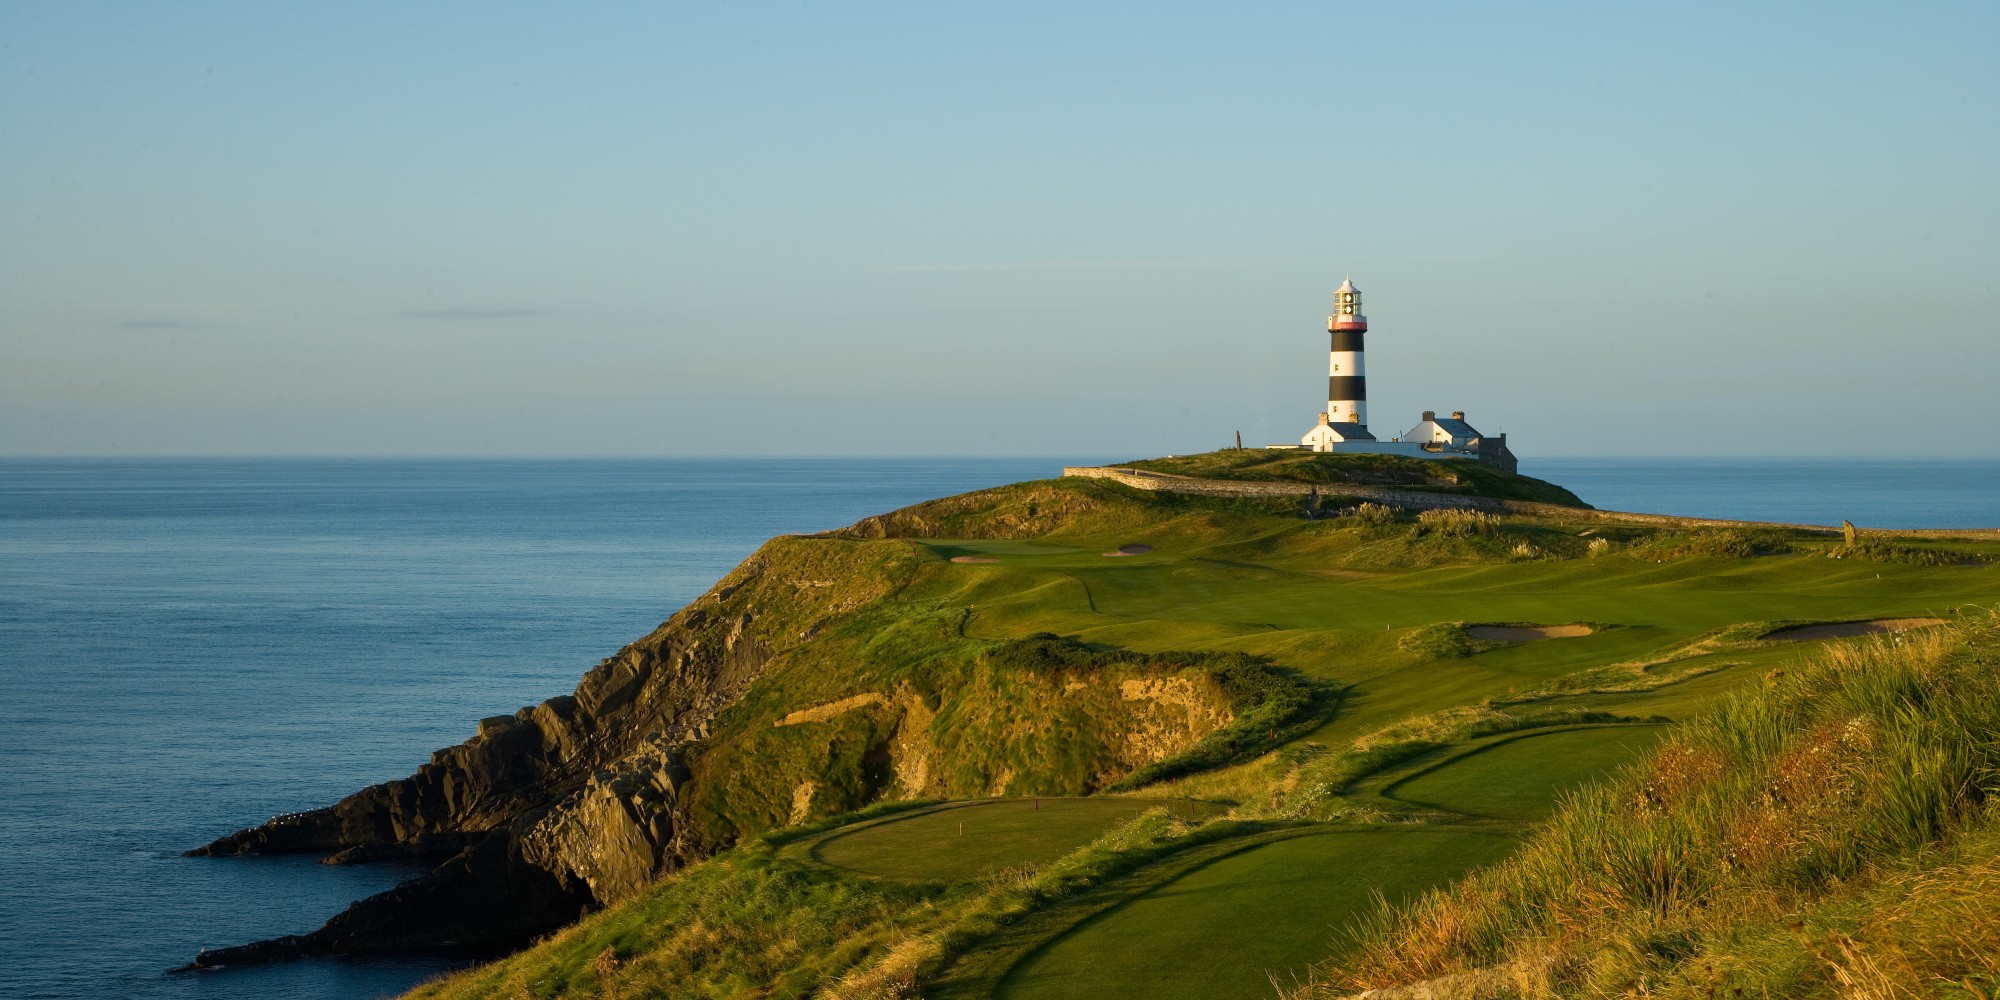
(585, 799)
(546, 813)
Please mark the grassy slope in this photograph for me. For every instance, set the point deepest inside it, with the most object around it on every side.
(1518, 776)
(1329, 601)
(1834, 831)
(1236, 919)
(964, 841)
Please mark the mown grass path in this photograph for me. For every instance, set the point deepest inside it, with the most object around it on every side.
(961, 841)
(1222, 929)
(1519, 777)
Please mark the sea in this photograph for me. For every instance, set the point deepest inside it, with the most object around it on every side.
(190, 646)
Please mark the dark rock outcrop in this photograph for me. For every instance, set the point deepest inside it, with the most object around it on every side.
(485, 899)
(557, 809)
(585, 799)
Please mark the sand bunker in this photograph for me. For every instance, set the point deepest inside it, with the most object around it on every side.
(1130, 550)
(1526, 633)
(1848, 630)
(973, 559)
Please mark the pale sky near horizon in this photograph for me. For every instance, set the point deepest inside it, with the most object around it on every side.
(1048, 229)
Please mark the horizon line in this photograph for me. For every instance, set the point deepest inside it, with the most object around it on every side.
(882, 456)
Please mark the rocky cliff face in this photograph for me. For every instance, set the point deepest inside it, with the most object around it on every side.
(572, 803)
(657, 758)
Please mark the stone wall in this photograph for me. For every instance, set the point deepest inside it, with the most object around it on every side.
(1421, 500)
(1386, 495)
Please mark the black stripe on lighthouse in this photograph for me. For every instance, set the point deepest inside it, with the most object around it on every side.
(1340, 387)
(1347, 340)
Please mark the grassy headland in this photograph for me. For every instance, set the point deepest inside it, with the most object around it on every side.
(1304, 711)
(1457, 475)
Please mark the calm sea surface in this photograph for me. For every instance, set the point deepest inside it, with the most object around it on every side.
(187, 647)
(1873, 493)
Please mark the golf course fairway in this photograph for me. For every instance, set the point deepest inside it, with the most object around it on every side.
(968, 840)
(977, 756)
(1269, 909)
(1520, 777)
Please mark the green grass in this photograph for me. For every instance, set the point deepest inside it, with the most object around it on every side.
(1771, 848)
(1220, 930)
(970, 840)
(1519, 777)
(1353, 695)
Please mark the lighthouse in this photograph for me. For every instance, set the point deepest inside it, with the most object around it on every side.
(1346, 382)
(1346, 416)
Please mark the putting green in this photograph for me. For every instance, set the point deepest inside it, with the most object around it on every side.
(1519, 778)
(972, 839)
(1221, 930)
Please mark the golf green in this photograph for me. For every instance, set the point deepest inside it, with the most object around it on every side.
(1520, 778)
(1224, 929)
(972, 839)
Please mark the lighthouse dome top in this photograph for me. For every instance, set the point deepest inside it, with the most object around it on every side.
(1347, 285)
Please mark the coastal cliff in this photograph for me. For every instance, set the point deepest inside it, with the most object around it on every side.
(788, 692)
(573, 802)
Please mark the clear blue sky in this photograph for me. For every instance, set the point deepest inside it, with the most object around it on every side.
(1037, 229)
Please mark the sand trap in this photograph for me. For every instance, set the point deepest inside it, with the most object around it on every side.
(973, 559)
(1130, 550)
(1848, 630)
(1526, 633)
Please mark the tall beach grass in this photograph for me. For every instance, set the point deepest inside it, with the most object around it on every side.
(1866, 778)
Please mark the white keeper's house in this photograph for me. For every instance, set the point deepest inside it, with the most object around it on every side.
(1343, 425)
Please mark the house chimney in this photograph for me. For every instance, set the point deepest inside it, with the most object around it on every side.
(1430, 415)
(1458, 414)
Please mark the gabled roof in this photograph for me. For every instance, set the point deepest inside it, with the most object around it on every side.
(1347, 432)
(1456, 428)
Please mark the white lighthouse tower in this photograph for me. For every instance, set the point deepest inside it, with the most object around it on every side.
(1346, 416)
(1346, 382)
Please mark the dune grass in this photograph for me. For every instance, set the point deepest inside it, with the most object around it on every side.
(1756, 850)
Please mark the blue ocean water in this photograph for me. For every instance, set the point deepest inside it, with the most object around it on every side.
(187, 647)
(1873, 493)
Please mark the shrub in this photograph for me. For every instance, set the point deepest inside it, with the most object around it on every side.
(1454, 523)
(1373, 515)
(1717, 543)
(1913, 554)
(1437, 641)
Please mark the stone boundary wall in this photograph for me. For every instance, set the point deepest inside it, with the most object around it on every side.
(1390, 496)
